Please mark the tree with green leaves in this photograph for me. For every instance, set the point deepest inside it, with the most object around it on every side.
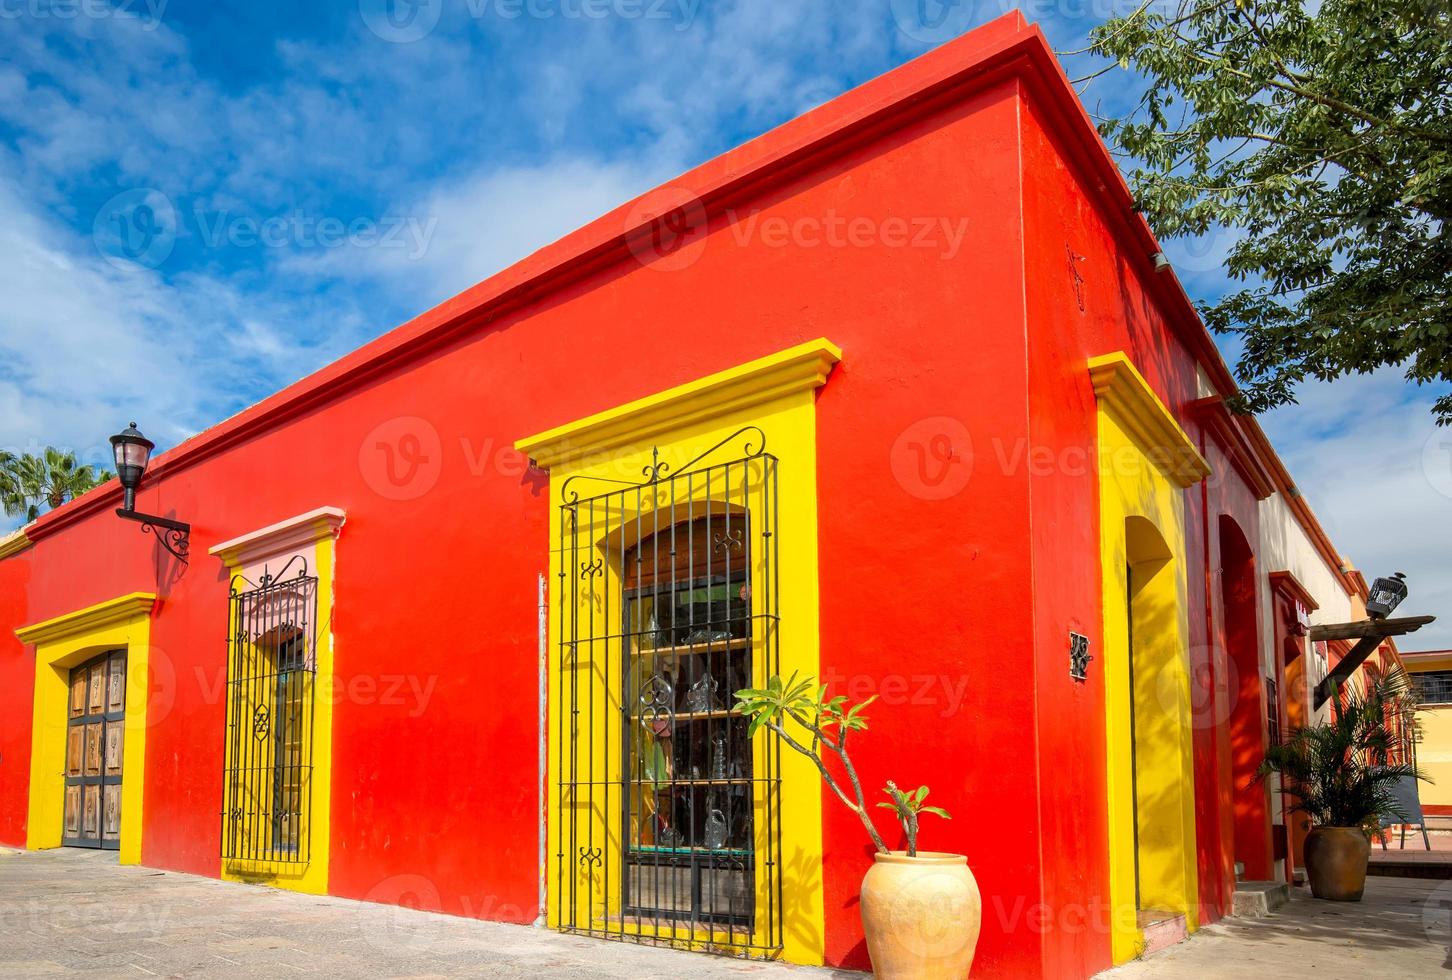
(809, 722)
(1319, 135)
(49, 479)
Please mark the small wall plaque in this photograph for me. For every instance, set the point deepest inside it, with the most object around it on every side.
(1079, 657)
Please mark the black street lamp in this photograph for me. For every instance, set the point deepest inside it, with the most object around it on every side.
(1385, 595)
(133, 453)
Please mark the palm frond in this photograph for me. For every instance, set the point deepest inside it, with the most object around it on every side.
(1343, 772)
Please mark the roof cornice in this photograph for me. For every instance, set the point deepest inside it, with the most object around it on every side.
(14, 543)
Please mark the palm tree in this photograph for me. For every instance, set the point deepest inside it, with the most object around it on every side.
(47, 480)
(1342, 772)
(11, 501)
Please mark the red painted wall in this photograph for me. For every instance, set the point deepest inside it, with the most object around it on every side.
(1090, 292)
(17, 693)
(923, 568)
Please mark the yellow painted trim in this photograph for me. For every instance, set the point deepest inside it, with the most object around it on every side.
(1123, 391)
(312, 878)
(756, 383)
(786, 418)
(60, 644)
(101, 615)
(1149, 752)
(13, 544)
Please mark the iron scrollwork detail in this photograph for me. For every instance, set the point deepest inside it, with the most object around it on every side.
(751, 440)
(175, 536)
(1079, 657)
(261, 722)
(732, 540)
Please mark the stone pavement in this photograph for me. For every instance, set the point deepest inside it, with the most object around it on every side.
(71, 912)
(1401, 928)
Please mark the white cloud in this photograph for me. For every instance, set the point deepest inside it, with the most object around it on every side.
(87, 346)
(461, 233)
(1356, 449)
(82, 340)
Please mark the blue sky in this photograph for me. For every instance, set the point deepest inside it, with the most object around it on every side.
(208, 200)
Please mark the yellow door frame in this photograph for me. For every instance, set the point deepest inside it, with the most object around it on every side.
(60, 644)
(1146, 461)
(775, 394)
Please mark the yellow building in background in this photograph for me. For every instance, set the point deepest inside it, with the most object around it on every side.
(1431, 673)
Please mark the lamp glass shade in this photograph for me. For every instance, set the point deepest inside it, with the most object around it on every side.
(133, 452)
(1385, 595)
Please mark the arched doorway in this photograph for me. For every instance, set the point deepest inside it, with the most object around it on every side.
(1248, 704)
(1158, 712)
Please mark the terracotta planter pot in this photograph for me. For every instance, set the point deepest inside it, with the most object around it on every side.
(1336, 859)
(921, 915)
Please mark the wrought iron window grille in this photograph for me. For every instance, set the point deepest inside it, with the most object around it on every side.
(1433, 687)
(271, 680)
(669, 816)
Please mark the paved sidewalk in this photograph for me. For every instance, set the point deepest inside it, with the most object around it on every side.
(71, 912)
(77, 913)
(1401, 928)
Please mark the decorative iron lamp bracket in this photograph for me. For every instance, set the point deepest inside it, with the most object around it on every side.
(133, 454)
(175, 536)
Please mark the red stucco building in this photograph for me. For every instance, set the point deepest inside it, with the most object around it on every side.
(892, 395)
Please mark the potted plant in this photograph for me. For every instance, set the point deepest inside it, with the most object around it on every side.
(1341, 774)
(921, 910)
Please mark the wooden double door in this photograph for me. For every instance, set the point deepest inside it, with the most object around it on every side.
(94, 741)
